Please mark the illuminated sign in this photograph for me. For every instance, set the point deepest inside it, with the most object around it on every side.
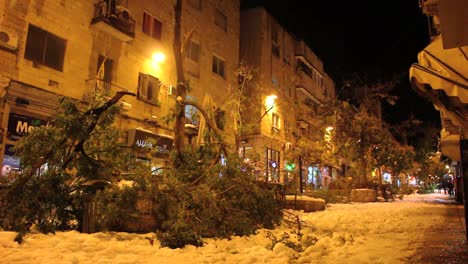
(145, 141)
(290, 166)
(20, 125)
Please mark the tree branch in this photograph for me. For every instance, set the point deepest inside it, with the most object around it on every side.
(209, 122)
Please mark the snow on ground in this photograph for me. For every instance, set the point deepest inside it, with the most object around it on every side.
(386, 232)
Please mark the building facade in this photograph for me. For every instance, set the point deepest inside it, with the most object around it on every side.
(287, 74)
(440, 76)
(78, 48)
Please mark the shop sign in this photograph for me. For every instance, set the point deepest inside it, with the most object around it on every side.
(146, 141)
(20, 125)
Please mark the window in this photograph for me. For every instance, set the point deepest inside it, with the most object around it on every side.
(274, 82)
(104, 67)
(218, 66)
(197, 4)
(286, 58)
(148, 88)
(104, 72)
(220, 118)
(45, 48)
(152, 26)
(275, 47)
(287, 127)
(220, 20)
(272, 168)
(193, 51)
(275, 121)
(246, 153)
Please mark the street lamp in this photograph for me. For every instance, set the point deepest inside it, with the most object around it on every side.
(270, 101)
(159, 57)
(154, 63)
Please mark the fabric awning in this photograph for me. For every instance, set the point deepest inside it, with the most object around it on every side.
(441, 75)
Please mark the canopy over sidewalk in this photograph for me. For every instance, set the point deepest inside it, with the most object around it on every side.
(441, 75)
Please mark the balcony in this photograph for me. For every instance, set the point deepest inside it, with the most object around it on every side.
(114, 20)
(309, 88)
(101, 88)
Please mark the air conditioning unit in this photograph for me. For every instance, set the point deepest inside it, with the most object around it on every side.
(8, 40)
(123, 11)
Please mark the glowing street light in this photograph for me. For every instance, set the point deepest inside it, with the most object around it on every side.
(159, 57)
(270, 101)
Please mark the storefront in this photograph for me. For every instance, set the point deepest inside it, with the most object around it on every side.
(26, 107)
(18, 126)
(151, 147)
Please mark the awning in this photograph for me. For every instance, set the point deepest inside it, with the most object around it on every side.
(441, 75)
(450, 145)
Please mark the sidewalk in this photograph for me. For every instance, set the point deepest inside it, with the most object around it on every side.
(445, 244)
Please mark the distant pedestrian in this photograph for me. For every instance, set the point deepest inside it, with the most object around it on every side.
(444, 186)
(450, 188)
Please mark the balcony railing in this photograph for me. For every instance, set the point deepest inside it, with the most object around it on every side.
(116, 21)
(99, 87)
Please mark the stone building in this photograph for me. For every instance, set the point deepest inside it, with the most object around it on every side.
(287, 74)
(76, 48)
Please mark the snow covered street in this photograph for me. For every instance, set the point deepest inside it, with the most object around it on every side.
(385, 232)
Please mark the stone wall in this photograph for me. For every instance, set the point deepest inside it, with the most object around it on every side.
(363, 195)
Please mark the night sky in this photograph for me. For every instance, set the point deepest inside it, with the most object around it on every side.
(375, 38)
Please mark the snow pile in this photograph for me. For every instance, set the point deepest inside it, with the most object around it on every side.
(303, 198)
(344, 233)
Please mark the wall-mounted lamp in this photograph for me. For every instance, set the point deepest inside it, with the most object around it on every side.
(159, 57)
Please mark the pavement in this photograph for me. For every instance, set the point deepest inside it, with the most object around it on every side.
(446, 243)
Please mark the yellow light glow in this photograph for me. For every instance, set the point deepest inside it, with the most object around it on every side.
(328, 134)
(159, 57)
(270, 101)
(154, 65)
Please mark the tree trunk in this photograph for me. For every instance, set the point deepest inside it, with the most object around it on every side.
(181, 92)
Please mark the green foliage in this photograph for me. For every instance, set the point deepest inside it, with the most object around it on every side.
(179, 239)
(430, 165)
(116, 207)
(297, 239)
(425, 189)
(201, 194)
(290, 240)
(44, 201)
(62, 165)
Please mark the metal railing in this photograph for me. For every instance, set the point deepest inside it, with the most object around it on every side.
(120, 19)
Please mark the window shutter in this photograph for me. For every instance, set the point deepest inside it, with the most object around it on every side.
(153, 89)
(157, 29)
(143, 86)
(35, 44)
(54, 52)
